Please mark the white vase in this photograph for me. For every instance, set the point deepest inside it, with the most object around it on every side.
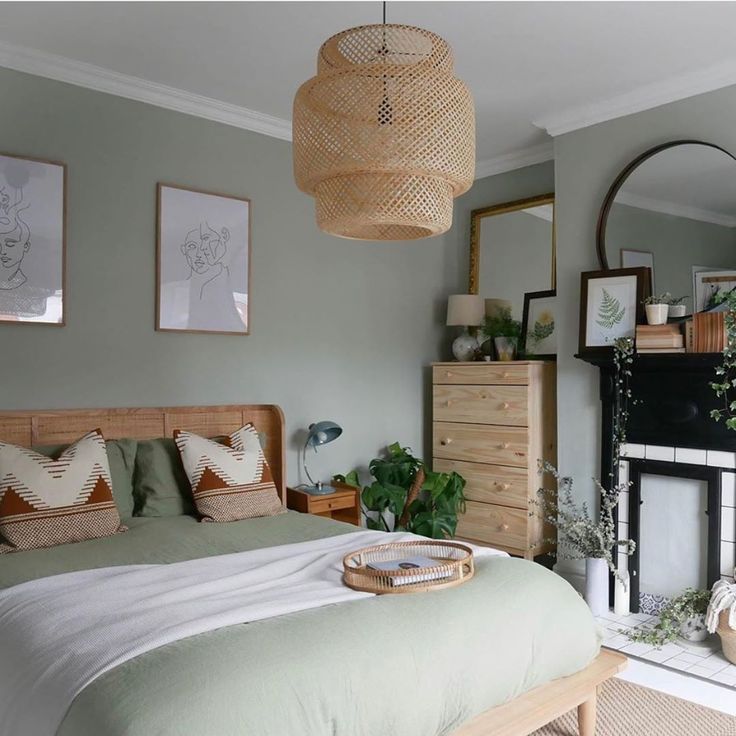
(596, 585)
(694, 628)
(676, 310)
(622, 594)
(657, 313)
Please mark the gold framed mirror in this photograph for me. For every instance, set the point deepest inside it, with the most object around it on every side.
(513, 249)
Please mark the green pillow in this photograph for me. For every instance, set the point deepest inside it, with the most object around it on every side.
(160, 485)
(121, 458)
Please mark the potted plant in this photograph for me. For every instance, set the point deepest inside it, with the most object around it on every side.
(505, 332)
(681, 617)
(721, 617)
(582, 537)
(406, 495)
(657, 308)
(676, 306)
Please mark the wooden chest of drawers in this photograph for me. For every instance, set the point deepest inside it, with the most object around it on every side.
(492, 423)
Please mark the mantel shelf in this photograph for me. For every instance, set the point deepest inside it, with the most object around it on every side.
(653, 362)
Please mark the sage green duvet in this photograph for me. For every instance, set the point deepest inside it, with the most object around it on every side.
(409, 665)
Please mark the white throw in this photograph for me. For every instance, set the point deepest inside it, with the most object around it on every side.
(58, 634)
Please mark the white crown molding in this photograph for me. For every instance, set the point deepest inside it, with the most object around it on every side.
(642, 98)
(516, 160)
(97, 78)
(542, 211)
(672, 208)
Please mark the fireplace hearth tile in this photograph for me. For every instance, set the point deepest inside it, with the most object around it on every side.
(690, 456)
(728, 558)
(728, 489)
(632, 450)
(728, 524)
(658, 452)
(721, 459)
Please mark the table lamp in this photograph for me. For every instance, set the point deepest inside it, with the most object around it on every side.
(465, 310)
(320, 433)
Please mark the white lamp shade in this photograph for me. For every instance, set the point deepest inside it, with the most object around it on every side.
(465, 310)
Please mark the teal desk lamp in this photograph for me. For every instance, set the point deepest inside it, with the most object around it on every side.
(320, 434)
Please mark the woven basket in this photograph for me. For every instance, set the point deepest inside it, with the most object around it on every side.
(454, 566)
(728, 637)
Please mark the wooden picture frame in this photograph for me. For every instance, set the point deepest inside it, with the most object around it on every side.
(550, 298)
(203, 261)
(33, 209)
(628, 288)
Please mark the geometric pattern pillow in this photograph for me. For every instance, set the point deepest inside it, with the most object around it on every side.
(45, 502)
(230, 481)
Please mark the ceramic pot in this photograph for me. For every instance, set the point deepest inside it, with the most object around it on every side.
(657, 313)
(596, 585)
(694, 628)
(505, 347)
(676, 310)
(465, 347)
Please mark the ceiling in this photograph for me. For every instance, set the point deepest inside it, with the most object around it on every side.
(532, 67)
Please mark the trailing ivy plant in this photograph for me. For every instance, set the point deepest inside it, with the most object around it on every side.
(674, 614)
(406, 495)
(726, 372)
(623, 357)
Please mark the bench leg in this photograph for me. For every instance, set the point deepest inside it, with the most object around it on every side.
(587, 716)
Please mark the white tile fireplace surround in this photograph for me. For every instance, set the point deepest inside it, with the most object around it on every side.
(724, 463)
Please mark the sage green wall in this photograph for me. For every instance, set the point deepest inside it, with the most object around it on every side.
(340, 329)
(586, 162)
(677, 244)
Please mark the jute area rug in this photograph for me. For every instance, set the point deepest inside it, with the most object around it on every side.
(630, 710)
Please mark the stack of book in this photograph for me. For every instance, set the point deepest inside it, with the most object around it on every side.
(709, 332)
(659, 339)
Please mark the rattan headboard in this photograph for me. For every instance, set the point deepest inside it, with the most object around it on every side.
(62, 426)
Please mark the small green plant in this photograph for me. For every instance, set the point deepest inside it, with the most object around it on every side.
(727, 370)
(501, 324)
(419, 500)
(689, 604)
(610, 311)
(581, 536)
(665, 298)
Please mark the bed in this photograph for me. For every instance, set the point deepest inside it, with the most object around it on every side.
(502, 654)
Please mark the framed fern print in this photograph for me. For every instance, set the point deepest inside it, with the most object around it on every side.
(611, 305)
(539, 325)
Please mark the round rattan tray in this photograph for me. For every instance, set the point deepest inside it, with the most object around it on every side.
(454, 566)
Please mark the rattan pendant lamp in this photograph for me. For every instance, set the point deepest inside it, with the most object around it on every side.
(384, 135)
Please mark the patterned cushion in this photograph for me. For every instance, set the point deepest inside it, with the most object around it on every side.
(229, 481)
(45, 502)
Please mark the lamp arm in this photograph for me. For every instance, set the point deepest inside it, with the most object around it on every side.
(306, 470)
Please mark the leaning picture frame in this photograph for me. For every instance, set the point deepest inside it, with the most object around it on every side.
(32, 240)
(611, 305)
(539, 325)
(203, 246)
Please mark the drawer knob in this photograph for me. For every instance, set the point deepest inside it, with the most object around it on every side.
(505, 405)
(504, 446)
(484, 396)
(503, 486)
(448, 374)
(448, 403)
(445, 441)
(505, 374)
(503, 527)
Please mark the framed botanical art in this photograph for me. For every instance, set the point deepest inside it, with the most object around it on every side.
(32, 240)
(611, 305)
(539, 325)
(203, 252)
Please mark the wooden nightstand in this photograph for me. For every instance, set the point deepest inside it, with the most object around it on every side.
(342, 505)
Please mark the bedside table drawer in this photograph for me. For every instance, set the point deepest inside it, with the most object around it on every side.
(494, 524)
(326, 504)
(505, 405)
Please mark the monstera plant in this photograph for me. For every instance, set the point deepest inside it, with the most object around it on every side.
(406, 495)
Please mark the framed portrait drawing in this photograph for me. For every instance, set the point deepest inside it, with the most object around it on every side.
(32, 240)
(611, 306)
(203, 252)
(539, 325)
